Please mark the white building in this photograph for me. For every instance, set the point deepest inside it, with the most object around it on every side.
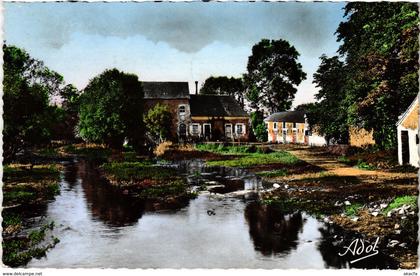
(408, 136)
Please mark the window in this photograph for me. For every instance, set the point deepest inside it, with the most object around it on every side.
(228, 130)
(417, 139)
(240, 129)
(294, 125)
(284, 124)
(181, 109)
(195, 129)
(275, 126)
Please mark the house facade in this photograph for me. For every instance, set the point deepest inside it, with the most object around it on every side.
(198, 117)
(408, 135)
(291, 127)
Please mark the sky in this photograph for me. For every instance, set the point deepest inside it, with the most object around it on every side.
(169, 41)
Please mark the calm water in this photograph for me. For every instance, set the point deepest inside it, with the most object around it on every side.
(99, 227)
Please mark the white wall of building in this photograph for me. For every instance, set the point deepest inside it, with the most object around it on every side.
(315, 140)
(413, 147)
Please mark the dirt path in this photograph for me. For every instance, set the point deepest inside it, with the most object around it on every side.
(319, 157)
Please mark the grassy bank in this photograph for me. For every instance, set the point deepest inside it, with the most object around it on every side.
(146, 180)
(247, 156)
(18, 251)
(25, 186)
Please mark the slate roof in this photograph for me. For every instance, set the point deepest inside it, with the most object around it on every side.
(215, 106)
(287, 116)
(165, 90)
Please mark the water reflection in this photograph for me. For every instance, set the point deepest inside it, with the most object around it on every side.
(70, 174)
(107, 203)
(272, 231)
(332, 242)
(91, 215)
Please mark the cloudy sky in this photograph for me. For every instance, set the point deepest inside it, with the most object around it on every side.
(169, 41)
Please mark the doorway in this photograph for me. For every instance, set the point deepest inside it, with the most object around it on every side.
(182, 131)
(405, 147)
(207, 131)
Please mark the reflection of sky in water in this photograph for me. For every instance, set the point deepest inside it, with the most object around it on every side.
(100, 228)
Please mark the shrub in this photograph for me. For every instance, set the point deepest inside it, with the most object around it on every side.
(162, 148)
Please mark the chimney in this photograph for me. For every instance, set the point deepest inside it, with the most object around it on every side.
(196, 87)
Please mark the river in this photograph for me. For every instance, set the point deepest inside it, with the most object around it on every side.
(99, 227)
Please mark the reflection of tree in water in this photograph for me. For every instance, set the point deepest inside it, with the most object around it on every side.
(70, 174)
(107, 203)
(332, 242)
(271, 230)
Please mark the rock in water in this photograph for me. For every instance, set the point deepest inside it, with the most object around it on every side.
(276, 186)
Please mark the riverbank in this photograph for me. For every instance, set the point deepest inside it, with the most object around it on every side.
(358, 197)
(26, 186)
(355, 195)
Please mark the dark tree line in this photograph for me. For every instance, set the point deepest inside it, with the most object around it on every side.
(376, 78)
(29, 118)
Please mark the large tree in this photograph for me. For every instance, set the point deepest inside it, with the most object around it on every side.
(111, 109)
(28, 116)
(380, 44)
(158, 122)
(68, 114)
(273, 75)
(329, 114)
(224, 86)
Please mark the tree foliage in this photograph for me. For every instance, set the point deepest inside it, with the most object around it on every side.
(258, 126)
(68, 114)
(111, 109)
(273, 74)
(158, 122)
(224, 86)
(380, 44)
(28, 86)
(329, 114)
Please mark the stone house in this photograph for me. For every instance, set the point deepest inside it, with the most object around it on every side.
(198, 117)
(408, 135)
(291, 127)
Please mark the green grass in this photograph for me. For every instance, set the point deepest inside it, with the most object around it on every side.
(11, 219)
(289, 205)
(137, 171)
(37, 172)
(93, 153)
(130, 156)
(252, 159)
(172, 188)
(19, 251)
(274, 173)
(222, 149)
(18, 196)
(400, 201)
(365, 166)
(345, 160)
(353, 209)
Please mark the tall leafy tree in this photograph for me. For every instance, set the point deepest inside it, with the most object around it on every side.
(329, 114)
(224, 86)
(111, 109)
(380, 43)
(68, 113)
(158, 122)
(273, 74)
(258, 126)
(28, 86)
